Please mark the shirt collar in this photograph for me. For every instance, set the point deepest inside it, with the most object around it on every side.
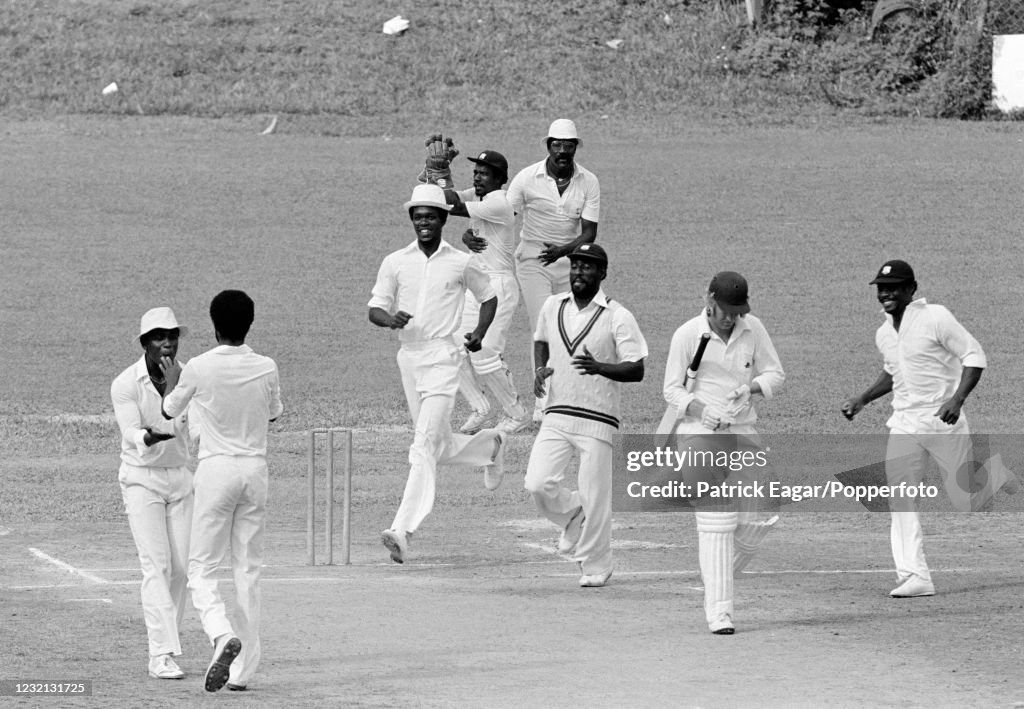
(141, 370)
(414, 247)
(231, 349)
(600, 299)
(542, 171)
(738, 329)
(915, 304)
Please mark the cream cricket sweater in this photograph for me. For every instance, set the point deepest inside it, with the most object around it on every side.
(580, 403)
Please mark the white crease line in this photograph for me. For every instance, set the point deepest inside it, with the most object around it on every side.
(90, 600)
(67, 567)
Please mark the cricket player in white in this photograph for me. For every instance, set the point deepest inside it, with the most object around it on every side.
(586, 345)
(560, 203)
(740, 362)
(491, 239)
(420, 291)
(236, 393)
(931, 364)
(156, 486)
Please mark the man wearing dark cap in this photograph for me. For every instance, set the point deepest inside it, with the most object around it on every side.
(491, 239)
(739, 363)
(931, 364)
(585, 346)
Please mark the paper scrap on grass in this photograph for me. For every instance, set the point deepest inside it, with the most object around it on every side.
(396, 25)
(110, 88)
(615, 43)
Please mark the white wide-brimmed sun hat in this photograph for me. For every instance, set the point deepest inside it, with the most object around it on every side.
(160, 319)
(427, 196)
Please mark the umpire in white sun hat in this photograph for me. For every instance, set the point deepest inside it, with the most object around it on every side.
(560, 202)
(156, 486)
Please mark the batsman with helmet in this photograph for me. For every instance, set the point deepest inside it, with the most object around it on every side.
(739, 362)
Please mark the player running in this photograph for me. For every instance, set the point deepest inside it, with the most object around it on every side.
(931, 364)
(491, 239)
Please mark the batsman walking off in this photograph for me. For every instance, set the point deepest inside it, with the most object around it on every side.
(586, 345)
(931, 363)
(156, 486)
(420, 291)
(739, 363)
(236, 393)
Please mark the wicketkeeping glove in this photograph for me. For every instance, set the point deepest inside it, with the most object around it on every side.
(440, 153)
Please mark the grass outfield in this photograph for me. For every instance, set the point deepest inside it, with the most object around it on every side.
(104, 219)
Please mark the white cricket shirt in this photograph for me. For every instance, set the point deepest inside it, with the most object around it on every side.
(493, 220)
(432, 290)
(235, 393)
(137, 406)
(548, 216)
(927, 355)
(749, 356)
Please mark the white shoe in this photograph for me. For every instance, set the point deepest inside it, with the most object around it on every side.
(512, 425)
(913, 587)
(495, 470)
(595, 580)
(722, 625)
(475, 422)
(164, 667)
(224, 653)
(397, 543)
(571, 534)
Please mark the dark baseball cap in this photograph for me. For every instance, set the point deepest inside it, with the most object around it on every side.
(729, 289)
(894, 271)
(590, 252)
(492, 158)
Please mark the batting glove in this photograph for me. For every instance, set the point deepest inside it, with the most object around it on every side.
(740, 397)
(712, 417)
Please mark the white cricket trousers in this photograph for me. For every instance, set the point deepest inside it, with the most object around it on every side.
(915, 437)
(537, 283)
(552, 452)
(430, 378)
(505, 288)
(158, 503)
(230, 512)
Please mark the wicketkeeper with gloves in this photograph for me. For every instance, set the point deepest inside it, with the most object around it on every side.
(740, 363)
(490, 240)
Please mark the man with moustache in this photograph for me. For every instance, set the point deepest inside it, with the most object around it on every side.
(560, 202)
(420, 291)
(586, 345)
